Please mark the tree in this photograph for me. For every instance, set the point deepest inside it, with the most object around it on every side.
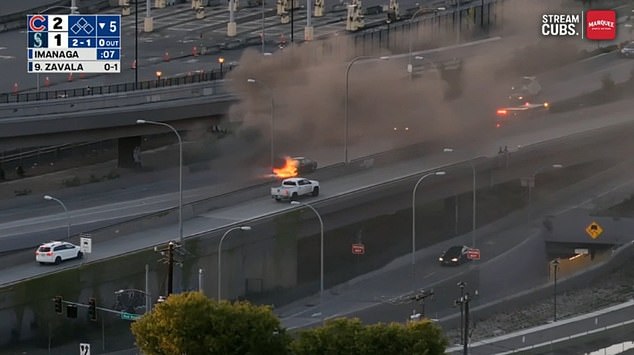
(350, 337)
(190, 323)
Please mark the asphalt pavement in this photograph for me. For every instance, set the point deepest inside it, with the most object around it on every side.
(373, 297)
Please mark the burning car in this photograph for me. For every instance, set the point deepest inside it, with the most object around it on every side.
(294, 166)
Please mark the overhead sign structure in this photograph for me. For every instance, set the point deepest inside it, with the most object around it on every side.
(358, 249)
(74, 43)
(473, 254)
(594, 230)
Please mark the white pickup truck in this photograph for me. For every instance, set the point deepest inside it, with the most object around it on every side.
(292, 188)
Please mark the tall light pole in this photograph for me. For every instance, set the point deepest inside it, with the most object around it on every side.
(473, 198)
(48, 197)
(321, 257)
(555, 264)
(531, 184)
(437, 173)
(244, 228)
(272, 134)
(411, 19)
(136, 44)
(458, 22)
(345, 142)
(180, 173)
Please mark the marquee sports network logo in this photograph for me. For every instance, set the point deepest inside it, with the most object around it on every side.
(599, 25)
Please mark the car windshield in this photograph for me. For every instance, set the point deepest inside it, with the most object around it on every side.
(289, 183)
(44, 249)
(454, 251)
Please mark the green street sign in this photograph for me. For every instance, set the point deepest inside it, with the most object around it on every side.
(130, 316)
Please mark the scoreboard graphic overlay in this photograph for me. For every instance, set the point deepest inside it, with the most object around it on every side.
(74, 43)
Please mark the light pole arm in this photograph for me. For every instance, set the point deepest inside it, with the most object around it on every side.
(409, 67)
(474, 206)
(219, 258)
(414, 215)
(345, 148)
(321, 258)
(65, 211)
(180, 173)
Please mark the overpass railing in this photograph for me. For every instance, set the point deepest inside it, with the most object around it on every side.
(195, 77)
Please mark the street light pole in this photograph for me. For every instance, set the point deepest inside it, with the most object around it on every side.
(473, 198)
(531, 183)
(411, 19)
(48, 197)
(458, 22)
(438, 173)
(244, 228)
(180, 173)
(272, 134)
(345, 142)
(555, 264)
(321, 257)
(136, 44)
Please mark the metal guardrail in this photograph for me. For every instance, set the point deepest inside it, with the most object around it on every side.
(196, 77)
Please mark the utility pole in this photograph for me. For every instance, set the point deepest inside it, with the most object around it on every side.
(462, 285)
(170, 267)
(466, 300)
(169, 258)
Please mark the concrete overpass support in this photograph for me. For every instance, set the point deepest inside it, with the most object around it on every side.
(129, 152)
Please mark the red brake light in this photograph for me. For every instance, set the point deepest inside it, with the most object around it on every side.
(49, 254)
(501, 112)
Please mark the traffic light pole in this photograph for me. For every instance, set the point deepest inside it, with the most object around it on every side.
(77, 304)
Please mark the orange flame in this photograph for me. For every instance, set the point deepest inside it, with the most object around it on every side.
(288, 170)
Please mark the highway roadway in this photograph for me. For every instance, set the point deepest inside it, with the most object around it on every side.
(35, 217)
(104, 208)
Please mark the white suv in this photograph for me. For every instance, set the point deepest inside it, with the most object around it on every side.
(56, 252)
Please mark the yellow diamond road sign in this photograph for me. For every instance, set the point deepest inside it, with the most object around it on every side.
(594, 230)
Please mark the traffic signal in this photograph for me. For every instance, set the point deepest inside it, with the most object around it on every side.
(92, 309)
(71, 311)
(58, 304)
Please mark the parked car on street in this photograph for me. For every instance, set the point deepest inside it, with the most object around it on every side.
(55, 252)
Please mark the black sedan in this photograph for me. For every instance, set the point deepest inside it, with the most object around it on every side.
(455, 255)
